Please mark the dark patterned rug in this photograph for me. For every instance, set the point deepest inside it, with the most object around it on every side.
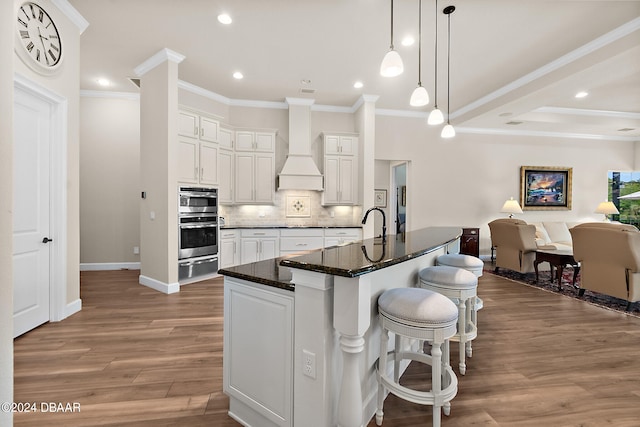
(545, 283)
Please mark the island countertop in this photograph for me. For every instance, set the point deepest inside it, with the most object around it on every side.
(349, 260)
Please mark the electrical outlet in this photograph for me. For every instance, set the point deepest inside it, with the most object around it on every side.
(136, 250)
(309, 364)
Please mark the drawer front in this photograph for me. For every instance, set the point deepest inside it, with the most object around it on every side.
(353, 233)
(259, 232)
(228, 234)
(300, 243)
(301, 232)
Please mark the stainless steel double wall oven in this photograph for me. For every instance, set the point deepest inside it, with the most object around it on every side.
(198, 232)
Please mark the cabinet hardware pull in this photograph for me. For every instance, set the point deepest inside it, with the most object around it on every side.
(195, 130)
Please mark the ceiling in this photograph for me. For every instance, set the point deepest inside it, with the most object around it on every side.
(515, 66)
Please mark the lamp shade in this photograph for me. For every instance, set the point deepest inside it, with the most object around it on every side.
(391, 64)
(511, 207)
(448, 131)
(607, 208)
(435, 117)
(419, 97)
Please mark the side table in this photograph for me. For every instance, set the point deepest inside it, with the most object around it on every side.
(557, 258)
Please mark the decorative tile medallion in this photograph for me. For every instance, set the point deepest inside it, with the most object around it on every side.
(298, 206)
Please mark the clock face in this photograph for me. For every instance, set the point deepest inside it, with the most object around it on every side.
(38, 41)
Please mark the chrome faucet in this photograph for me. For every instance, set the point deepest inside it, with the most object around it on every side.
(384, 221)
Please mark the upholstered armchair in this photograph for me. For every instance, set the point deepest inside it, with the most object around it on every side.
(609, 257)
(515, 243)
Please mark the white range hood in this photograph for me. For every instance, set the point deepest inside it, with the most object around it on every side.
(300, 171)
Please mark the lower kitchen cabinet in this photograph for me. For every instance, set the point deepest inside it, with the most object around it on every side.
(258, 353)
(299, 240)
(259, 244)
(341, 236)
(229, 252)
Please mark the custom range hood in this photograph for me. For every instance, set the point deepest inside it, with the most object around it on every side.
(299, 171)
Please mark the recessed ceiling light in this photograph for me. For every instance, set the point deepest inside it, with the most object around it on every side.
(358, 84)
(103, 82)
(225, 19)
(582, 94)
(506, 114)
(408, 41)
(238, 75)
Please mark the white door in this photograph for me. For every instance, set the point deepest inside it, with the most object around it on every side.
(31, 245)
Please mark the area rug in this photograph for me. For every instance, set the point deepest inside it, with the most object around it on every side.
(545, 283)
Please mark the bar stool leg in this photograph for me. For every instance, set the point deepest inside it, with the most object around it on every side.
(462, 325)
(470, 303)
(436, 381)
(382, 368)
(446, 380)
(397, 358)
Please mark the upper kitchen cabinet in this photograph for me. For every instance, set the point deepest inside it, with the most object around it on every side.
(225, 138)
(254, 178)
(341, 144)
(247, 140)
(193, 125)
(197, 161)
(340, 170)
(225, 176)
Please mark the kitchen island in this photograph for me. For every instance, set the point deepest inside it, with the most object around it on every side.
(301, 334)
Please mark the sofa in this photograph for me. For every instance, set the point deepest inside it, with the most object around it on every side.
(609, 256)
(516, 241)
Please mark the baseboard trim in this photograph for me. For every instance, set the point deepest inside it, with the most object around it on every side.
(165, 288)
(72, 308)
(95, 266)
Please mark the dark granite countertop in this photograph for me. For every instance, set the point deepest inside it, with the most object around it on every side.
(349, 260)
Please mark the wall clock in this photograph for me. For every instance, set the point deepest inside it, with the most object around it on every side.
(38, 41)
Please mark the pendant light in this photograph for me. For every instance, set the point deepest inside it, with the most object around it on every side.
(420, 96)
(448, 131)
(436, 117)
(391, 63)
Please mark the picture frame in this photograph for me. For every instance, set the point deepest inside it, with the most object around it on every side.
(380, 198)
(403, 198)
(545, 188)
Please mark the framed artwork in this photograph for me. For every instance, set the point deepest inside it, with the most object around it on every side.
(403, 197)
(545, 188)
(380, 198)
(298, 206)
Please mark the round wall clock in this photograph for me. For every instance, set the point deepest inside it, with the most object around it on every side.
(38, 41)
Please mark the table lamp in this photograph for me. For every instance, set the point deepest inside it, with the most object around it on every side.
(607, 208)
(511, 207)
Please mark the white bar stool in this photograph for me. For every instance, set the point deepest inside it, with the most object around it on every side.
(469, 263)
(461, 286)
(422, 315)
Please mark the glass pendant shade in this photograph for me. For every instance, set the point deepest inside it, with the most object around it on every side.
(435, 117)
(419, 97)
(391, 64)
(448, 131)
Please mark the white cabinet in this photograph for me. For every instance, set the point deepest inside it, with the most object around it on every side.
(300, 239)
(225, 138)
(197, 161)
(255, 141)
(340, 170)
(192, 125)
(341, 144)
(225, 176)
(254, 177)
(258, 352)
(229, 253)
(197, 148)
(341, 236)
(259, 244)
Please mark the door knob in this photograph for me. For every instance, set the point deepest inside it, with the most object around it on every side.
(47, 240)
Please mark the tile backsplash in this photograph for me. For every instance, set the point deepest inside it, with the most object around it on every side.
(276, 214)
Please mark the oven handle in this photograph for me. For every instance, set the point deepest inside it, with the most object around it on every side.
(200, 225)
(200, 195)
(204, 261)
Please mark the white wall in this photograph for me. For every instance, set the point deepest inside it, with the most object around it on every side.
(6, 223)
(465, 181)
(110, 179)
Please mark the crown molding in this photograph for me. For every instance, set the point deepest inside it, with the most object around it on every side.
(157, 59)
(590, 113)
(71, 13)
(489, 131)
(106, 94)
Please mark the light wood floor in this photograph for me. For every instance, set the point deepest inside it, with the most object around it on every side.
(136, 357)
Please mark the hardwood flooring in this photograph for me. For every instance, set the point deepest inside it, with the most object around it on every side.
(136, 357)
